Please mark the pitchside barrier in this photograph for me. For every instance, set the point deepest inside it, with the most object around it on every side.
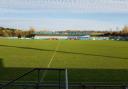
(40, 81)
(53, 78)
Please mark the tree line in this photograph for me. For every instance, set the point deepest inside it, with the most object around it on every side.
(10, 32)
(122, 33)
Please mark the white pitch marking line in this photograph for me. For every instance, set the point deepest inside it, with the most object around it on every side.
(45, 72)
(53, 54)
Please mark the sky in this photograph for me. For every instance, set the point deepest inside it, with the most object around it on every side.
(64, 14)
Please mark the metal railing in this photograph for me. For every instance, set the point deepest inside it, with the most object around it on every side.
(59, 84)
(38, 83)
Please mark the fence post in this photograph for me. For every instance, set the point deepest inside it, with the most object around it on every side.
(59, 79)
(66, 79)
(38, 79)
(125, 87)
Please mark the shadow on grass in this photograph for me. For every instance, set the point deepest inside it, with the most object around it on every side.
(75, 75)
(66, 52)
(98, 75)
(7, 74)
(1, 64)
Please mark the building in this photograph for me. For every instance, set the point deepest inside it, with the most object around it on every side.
(65, 35)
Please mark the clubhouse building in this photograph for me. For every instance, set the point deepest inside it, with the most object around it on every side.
(63, 35)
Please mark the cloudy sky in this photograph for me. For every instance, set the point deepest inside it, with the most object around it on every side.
(64, 14)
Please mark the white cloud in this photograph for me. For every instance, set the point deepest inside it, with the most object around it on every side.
(82, 24)
(70, 5)
(59, 24)
(15, 13)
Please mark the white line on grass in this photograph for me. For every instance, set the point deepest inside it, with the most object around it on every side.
(49, 64)
(53, 55)
(58, 45)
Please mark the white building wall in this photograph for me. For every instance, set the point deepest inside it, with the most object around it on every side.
(50, 37)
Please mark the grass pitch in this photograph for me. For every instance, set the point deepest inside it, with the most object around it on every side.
(87, 61)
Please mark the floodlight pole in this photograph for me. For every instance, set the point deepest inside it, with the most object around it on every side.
(66, 79)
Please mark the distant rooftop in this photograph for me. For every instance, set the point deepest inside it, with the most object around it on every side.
(62, 33)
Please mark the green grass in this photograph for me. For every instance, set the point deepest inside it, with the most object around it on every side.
(87, 61)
